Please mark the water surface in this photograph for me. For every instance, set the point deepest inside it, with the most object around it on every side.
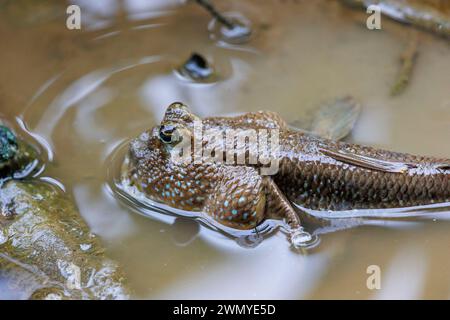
(82, 93)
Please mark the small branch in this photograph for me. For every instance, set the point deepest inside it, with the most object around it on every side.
(408, 59)
(216, 14)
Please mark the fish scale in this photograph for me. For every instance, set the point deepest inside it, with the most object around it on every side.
(337, 185)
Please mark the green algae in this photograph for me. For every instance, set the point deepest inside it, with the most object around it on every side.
(8, 144)
(18, 158)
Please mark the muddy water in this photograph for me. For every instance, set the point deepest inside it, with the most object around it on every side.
(83, 93)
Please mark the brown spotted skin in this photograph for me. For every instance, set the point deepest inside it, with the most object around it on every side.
(239, 197)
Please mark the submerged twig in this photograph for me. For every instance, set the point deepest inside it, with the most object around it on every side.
(431, 15)
(216, 14)
(408, 59)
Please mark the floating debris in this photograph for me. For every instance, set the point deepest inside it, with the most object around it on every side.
(431, 15)
(216, 14)
(229, 27)
(408, 59)
(240, 33)
(196, 68)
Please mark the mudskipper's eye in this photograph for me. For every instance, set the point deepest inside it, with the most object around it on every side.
(167, 133)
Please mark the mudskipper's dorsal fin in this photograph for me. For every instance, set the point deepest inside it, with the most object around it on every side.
(335, 120)
(367, 162)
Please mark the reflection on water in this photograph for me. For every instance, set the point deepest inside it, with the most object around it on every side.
(254, 272)
(82, 94)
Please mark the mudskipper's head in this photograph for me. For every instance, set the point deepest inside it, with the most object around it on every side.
(156, 166)
(159, 143)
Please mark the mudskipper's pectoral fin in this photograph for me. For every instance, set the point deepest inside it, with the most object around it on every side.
(366, 161)
(238, 199)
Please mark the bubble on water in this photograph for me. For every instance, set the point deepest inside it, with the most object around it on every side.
(299, 238)
(239, 33)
